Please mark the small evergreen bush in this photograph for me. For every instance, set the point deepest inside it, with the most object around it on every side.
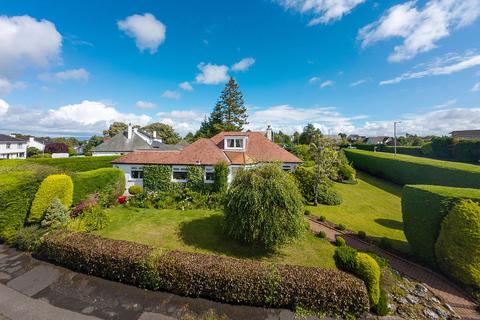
(368, 270)
(135, 189)
(329, 196)
(28, 238)
(322, 218)
(341, 227)
(458, 245)
(339, 241)
(381, 309)
(362, 234)
(92, 218)
(321, 234)
(54, 186)
(385, 243)
(307, 212)
(56, 216)
(263, 207)
(346, 258)
(221, 177)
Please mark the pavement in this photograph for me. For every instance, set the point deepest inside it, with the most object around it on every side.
(33, 289)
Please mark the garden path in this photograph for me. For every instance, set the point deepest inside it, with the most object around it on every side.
(438, 284)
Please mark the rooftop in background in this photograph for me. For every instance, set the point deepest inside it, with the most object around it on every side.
(7, 138)
(466, 134)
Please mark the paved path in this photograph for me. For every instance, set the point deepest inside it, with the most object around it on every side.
(438, 284)
(32, 289)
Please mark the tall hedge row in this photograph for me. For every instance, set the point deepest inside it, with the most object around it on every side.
(76, 164)
(403, 169)
(111, 180)
(409, 150)
(424, 207)
(54, 186)
(213, 277)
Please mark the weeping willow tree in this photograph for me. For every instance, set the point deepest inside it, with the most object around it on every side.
(264, 207)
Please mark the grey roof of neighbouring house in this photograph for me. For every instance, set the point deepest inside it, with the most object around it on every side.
(7, 138)
(120, 143)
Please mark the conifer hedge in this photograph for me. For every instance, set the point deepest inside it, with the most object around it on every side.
(403, 169)
(424, 207)
(111, 180)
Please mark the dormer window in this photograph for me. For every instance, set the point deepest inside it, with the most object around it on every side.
(235, 143)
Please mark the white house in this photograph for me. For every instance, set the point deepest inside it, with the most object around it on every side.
(32, 143)
(12, 148)
(236, 149)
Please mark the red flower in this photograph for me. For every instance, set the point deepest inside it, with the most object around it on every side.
(122, 199)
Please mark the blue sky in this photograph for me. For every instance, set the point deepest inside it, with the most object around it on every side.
(347, 66)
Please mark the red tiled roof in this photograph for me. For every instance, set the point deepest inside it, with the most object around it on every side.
(210, 152)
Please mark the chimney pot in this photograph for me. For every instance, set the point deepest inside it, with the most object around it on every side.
(129, 131)
(269, 133)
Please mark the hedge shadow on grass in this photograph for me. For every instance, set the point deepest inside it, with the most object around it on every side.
(389, 223)
(207, 234)
(385, 185)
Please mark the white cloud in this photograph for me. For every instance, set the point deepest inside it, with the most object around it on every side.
(3, 107)
(6, 86)
(322, 11)
(243, 65)
(183, 121)
(212, 73)
(87, 117)
(148, 32)
(359, 82)
(73, 74)
(476, 87)
(313, 79)
(26, 42)
(327, 83)
(186, 86)
(438, 122)
(446, 104)
(145, 105)
(420, 28)
(439, 67)
(169, 94)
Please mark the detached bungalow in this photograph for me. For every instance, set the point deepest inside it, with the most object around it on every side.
(12, 148)
(237, 149)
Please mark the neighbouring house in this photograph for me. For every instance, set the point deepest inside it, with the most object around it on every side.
(379, 140)
(466, 134)
(35, 143)
(237, 149)
(12, 148)
(354, 138)
(130, 140)
(335, 137)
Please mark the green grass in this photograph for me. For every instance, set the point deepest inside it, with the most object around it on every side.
(201, 231)
(373, 205)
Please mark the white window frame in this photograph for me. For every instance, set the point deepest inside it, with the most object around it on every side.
(140, 169)
(209, 170)
(235, 139)
(179, 169)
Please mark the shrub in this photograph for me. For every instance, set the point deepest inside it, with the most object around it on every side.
(329, 196)
(56, 216)
(92, 218)
(341, 227)
(321, 234)
(135, 189)
(322, 218)
(195, 179)
(368, 270)
(89, 202)
(427, 150)
(339, 241)
(218, 278)
(423, 209)
(263, 207)
(56, 147)
(158, 178)
(27, 239)
(57, 185)
(362, 234)
(346, 258)
(307, 212)
(110, 182)
(458, 245)
(385, 243)
(345, 170)
(403, 169)
(221, 177)
(381, 308)
(305, 178)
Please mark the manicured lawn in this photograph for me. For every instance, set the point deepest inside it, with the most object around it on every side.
(201, 231)
(373, 205)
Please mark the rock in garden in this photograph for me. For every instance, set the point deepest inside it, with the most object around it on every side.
(401, 300)
(441, 313)
(420, 290)
(412, 299)
(434, 300)
(392, 308)
(430, 314)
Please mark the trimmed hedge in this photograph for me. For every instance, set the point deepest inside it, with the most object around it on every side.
(423, 209)
(76, 164)
(458, 245)
(403, 169)
(369, 271)
(158, 178)
(111, 180)
(54, 186)
(218, 278)
(409, 150)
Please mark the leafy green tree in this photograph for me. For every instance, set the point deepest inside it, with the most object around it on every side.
(189, 137)
(326, 157)
(163, 131)
(309, 131)
(90, 144)
(32, 151)
(114, 129)
(296, 137)
(264, 207)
